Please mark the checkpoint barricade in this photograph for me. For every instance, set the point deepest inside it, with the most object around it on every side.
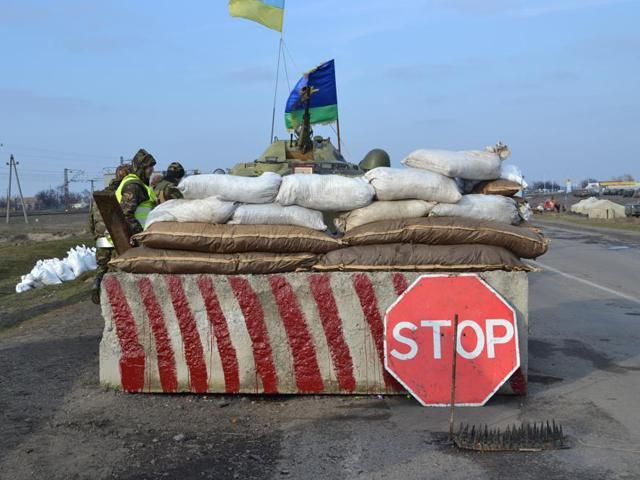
(294, 333)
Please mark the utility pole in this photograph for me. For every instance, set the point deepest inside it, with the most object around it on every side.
(92, 181)
(13, 167)
(65, 191)
(8, 207)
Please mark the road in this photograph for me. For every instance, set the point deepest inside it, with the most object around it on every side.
(57, 423)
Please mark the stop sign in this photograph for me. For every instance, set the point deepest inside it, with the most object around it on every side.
(419, 330)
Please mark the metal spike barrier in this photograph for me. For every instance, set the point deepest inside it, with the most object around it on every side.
(524, 438)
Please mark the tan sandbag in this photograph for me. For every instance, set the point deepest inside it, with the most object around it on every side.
(210, 238)
(422, 258)
(523, 242)
(505, 188)
(378, 211)
(149, 260)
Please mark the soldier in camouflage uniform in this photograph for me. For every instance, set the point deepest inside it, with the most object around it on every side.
(104, 246)
(135, 195)
(166, 188)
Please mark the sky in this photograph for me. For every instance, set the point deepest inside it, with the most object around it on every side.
(83, 83)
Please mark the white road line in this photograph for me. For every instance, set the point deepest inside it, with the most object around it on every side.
(587, 282)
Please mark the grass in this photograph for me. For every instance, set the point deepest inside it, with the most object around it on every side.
(628, 225)
(18, 259)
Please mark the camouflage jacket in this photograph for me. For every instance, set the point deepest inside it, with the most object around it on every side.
(97, 226)
(167, 190)
(133, 194)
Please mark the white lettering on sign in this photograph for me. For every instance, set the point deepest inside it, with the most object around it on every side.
(413, 346)
(437, 343)
(491, 339)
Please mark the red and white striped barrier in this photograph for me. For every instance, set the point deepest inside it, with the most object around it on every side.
(293, 333)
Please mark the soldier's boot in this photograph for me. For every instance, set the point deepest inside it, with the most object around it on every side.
(95, 290)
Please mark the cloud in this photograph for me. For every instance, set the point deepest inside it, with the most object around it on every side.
(21, 101)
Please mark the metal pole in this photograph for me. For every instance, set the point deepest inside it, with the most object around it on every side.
(66, 188)
(91, 198)
(275, 93)
(453, 376)
(338, 131)
(24, 207)
(9, 190)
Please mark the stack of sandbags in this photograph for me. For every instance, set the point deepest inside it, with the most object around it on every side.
(191, 248)
(436, 244)
(488, 185)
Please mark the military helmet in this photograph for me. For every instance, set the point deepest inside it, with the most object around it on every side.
(175, 170)
(142, 159)
(374, 159)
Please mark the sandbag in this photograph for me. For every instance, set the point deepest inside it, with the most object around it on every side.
(148, 260)
(232, 188)
(422, 258)
(469, 164)
(506, 188)
(513, 174)
(331, 193)
(412, 184)
(481, 207)
(523, 242)
(208, 210)
(201, 237)
(379, 211)
(275, 214)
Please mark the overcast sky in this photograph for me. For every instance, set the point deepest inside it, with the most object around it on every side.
(85, 82)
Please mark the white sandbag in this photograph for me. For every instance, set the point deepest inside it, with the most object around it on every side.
(232, 188)
(468, 164)
(481, 207)
(63, 270)
(330, 193)
(274, 214)
(76, 263)
(379, 211)
(208, 210)
(513, 174)
(412, 184)
(43, 272)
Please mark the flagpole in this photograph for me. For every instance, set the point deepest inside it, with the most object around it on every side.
(338, 128)
(275, 93)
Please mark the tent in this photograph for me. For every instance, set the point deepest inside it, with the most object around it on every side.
(606, 209)
(583, 206)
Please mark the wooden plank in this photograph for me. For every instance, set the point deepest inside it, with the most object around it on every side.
(114, 220)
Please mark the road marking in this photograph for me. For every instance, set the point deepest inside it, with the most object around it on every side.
(587, 282)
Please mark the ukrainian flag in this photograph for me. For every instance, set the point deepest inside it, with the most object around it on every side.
(267, 12)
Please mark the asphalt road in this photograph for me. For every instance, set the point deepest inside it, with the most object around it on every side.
(56, 422)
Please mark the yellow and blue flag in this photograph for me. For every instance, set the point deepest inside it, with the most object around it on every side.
(323, 104)
(269, 13)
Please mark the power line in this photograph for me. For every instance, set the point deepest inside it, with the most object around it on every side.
(61, 152)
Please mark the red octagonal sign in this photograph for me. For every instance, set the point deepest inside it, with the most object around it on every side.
(419, 329)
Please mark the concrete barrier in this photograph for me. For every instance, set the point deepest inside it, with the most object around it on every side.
(297, 333)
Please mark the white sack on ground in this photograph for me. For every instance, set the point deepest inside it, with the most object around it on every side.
(468, 164)
(232, 188)
(330, 193)
(412, 184)
(54, 271)
(481, 207)
(208, 210)
(513, 174)
(274, 214)
(379, 211)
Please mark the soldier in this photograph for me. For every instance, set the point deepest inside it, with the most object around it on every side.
(135, 195)
(166, 188)
(104, 245)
